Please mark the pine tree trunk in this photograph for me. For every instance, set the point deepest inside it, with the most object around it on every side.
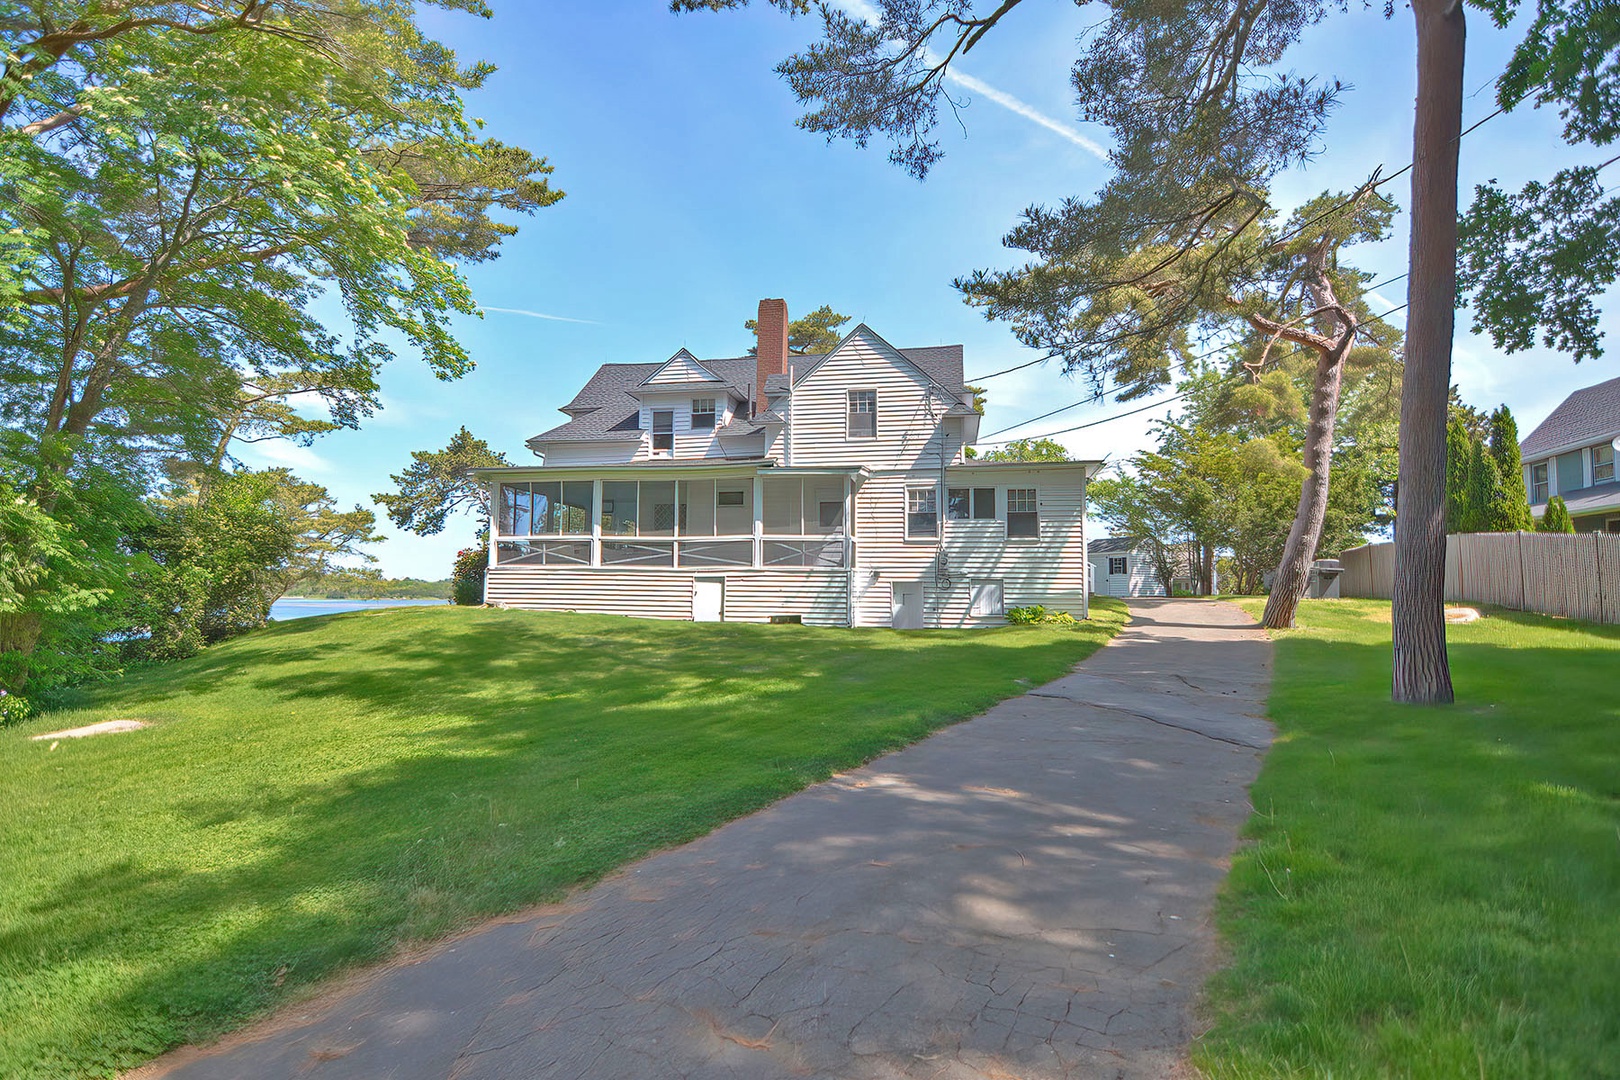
(1294, 571)
(1421, 670)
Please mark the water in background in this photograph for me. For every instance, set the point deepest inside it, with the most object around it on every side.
(296, 607)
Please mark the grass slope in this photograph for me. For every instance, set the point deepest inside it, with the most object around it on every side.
(312, 795)
(1430, 892)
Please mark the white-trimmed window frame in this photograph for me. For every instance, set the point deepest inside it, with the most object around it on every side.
(1025, 503)
(1603, 448)
(854, 398)
(706, 410)
(922, 499)
(1540, 486)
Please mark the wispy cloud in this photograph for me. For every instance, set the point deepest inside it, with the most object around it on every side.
(538, 315)
(863, 9)
(300, 459)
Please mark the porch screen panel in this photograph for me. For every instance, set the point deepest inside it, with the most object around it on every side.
(734, 507)
(784, 512)
(516, 510)
(544, 500)
(619, 507)
(658, 508)
(574, 511)
(697, 499)
(823, 507)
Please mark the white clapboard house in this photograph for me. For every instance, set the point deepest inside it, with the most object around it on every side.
(830, 489)
(1122, 566)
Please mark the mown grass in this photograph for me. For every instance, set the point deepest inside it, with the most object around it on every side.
(311, 796)
(1429, 892)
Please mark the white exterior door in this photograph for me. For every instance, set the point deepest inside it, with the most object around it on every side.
(908, 607)
(708, 599)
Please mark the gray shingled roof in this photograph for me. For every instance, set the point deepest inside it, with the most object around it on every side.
(605, 410)
(1589, 415)
(1592, 500)
(1113, 545)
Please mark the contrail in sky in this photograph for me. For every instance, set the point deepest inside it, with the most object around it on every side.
(538, 315)
(862, 9)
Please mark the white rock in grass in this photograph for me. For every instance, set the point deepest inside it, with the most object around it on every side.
(106, 727)
(1462, 615)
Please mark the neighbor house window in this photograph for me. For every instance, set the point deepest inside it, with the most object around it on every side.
(1023, 518)
(1116, 565)
(987, 598)
(922, 512)
(1538, 483)
(702, 414)
(863, 414)
(664, 431)
(1602, 464)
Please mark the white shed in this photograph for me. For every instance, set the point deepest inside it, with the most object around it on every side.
(1120, 566)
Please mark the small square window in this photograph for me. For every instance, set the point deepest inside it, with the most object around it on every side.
(1116, 565)
(922, 512)
(1023, 514)
(702, 414)
(863, 414)
(1602, 464)
(663, 427)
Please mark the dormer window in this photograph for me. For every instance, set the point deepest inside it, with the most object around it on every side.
(863, 414)
(703, 414)
(663, 431)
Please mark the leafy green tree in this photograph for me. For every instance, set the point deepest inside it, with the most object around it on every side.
(1029, 450)
(816, 333)
(1556, 519)
(439, 483)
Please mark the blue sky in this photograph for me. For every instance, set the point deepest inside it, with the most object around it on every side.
(691, 195)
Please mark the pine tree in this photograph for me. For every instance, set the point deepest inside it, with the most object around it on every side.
(1556, 519)
(1515, 515)
(1480, 494)
(1459, 458)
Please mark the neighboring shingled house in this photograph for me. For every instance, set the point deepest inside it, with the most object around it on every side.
(1571, 454)
(832, 489)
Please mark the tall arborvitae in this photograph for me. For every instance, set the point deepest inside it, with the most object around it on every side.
(1515, 512)
(1556, 519)
(1459, 459)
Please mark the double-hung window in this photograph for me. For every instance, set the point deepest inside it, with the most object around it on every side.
(1538, 483)
(1023, 513)
(663, 431)
(863, 414)
(1602, 464)
(922, 513)
(703, 414)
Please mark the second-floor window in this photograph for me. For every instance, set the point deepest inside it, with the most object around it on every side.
(1538, 483)
(863, 414)
(702, 414)
(1023, 513)
(1602, 464)
(663, 431)
(922, 512)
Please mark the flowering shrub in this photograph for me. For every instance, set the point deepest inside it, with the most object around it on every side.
(467, 579)
(1037, 613)
(14, 709)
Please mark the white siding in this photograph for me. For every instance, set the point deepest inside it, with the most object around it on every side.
(683, 367)
(909, 434)
(1049, 571)
(1139, 579)
(817, 596)
(688, 443)
(592, 453)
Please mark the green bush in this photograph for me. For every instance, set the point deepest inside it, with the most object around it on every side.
(467, 580)
(1037, 613)
(14, 709)
(1556, 519)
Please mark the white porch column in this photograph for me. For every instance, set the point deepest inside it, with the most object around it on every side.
(596, 523)
(759, 521)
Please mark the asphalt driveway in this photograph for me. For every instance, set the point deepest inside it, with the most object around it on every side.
(1026, 894)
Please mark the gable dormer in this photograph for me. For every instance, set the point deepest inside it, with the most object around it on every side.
(679, 371)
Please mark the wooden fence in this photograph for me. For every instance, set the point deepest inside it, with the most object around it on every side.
(1576, 576)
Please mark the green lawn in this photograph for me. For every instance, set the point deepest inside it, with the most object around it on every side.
(1430, 892)
(313, 794)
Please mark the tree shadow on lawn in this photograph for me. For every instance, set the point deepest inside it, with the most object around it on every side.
(455, 770)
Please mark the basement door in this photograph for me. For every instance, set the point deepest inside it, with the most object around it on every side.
(708, 599)
(908, 606)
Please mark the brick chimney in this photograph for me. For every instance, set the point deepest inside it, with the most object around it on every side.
(772, 355)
